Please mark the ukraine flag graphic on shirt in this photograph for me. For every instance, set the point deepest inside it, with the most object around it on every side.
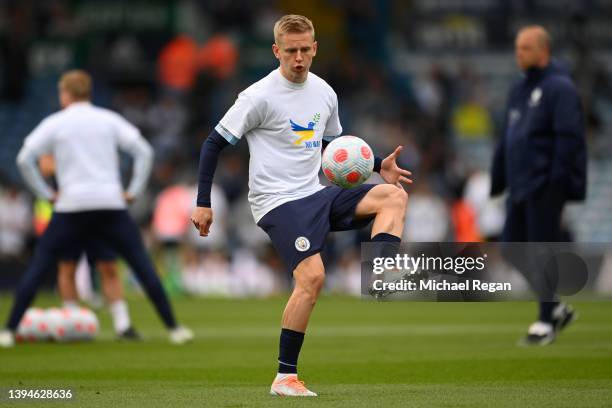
(304, 133)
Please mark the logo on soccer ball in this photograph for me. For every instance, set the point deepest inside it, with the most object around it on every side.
(302, 244)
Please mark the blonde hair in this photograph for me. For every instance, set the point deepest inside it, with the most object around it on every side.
(292, 23)
(77, 83)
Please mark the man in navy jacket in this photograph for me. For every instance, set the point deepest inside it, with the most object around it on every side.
(541, 160)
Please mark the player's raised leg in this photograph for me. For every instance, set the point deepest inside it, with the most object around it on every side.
(309, 277)
(387, 203)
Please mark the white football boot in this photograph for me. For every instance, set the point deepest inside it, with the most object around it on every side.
(180, 335)
(539, 334)
(288, 385)
(7, 339)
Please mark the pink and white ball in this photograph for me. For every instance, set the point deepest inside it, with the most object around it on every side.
(56, 322)
(33, 326)
(80, 324)
(347, 161)
(63, 325)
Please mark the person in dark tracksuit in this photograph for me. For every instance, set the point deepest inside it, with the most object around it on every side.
(541, 160)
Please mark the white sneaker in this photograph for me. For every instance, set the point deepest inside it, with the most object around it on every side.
(7, 339)
(290, 386)
(539, 334)
(180, 335)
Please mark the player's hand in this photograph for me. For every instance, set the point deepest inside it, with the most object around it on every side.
(202, 218)
(54, 197)
(391, 172)
(129, 198)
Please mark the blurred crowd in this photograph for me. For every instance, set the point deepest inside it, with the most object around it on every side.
(428, 75)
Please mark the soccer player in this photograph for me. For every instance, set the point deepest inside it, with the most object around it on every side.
(541, 159)
(286, 198)
(91, 204)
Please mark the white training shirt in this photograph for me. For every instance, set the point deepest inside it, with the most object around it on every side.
(84, 140)
(284, 123)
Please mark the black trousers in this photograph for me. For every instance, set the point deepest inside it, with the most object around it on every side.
(536, 219)
(65, 230)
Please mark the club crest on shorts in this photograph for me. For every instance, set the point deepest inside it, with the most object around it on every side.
(302, 244)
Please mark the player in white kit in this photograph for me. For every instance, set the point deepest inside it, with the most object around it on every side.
(91, 204)
(287, 118)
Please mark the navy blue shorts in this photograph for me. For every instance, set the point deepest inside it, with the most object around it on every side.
(95, 249)
(298, 229)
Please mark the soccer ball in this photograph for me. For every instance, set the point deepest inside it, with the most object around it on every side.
(33, 326)
(56, 322)
(63, 325)
(348, 161)
(80, 324)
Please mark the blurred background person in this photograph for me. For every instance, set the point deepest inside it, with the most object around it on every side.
(541, 160)
(96, 256)
(91, 202)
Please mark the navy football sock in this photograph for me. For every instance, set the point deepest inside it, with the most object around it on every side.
(546, 311)
(289, 351)
(387, 245)
(384, 237)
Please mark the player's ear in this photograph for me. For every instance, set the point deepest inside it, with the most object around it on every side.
(314, 48)
(276, 50)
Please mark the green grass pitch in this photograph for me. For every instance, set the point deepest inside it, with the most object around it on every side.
(356, 354)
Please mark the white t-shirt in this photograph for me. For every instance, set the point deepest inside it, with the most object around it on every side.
(84, 140)
(284, 123)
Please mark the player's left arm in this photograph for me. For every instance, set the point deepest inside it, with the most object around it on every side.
(387, 167)
(568, 127)
(391, 172)
(131, 140)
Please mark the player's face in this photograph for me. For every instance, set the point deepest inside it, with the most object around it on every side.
(528, 51)
(295, 52)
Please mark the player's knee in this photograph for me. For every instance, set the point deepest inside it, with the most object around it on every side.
(396, 198)
(317, 280)
(310, 280)
(313, 281)
(312, 288)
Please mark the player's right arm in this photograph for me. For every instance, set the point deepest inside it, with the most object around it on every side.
(36, 144)
(202, 216)
(498, 167)
(239, 119)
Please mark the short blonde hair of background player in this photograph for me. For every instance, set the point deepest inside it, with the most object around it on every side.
(292, 23)
(77, 83)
